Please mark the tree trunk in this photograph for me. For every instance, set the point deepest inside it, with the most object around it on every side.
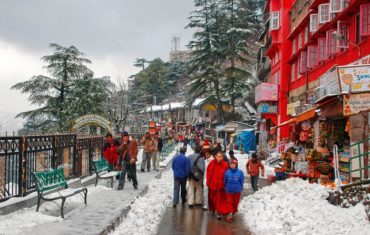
(219, 103)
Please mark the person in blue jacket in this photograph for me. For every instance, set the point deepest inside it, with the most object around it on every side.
(181, 169)
(234, 181)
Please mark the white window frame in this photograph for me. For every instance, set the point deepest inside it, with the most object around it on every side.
(314, 23)
(275, 20)
(336, 6)
(341, 27)
(324, 13)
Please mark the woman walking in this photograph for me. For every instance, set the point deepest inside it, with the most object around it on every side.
(215, 183)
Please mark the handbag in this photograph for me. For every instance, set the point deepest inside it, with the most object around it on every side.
(195, 173)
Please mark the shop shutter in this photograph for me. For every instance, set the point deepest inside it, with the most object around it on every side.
(342, 28)
(312, 56)
(314, 23)
(302, 62)
(331, 43)
(322, 49)
(275, 20)
(324, 14)
(365, 20)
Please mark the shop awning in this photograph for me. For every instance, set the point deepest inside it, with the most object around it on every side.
(311, 113)
(290, 121)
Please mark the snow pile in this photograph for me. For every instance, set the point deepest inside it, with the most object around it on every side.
(146, 212)
(297, 207)
(24, 219)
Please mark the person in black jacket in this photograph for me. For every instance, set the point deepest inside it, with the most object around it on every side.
(157, 152)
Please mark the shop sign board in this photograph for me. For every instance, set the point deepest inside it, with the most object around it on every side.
(266, 108)
(356, 103)
(354, 79)
(291, 110)
(329, 85)
(266, 92)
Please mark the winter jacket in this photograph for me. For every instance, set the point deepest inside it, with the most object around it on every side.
(110, 151)
(253, 168)
(160, 144)
(234, 180)
(207, 161)
(149, 145)
(216, 174)
(133, 151)
(200, 162)
(181, 166)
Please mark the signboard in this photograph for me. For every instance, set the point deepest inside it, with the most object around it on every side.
(292, 108)
(92, 120)
(354, 79)
(266, 108)
(152, 127)
(329, 85)
(356, 103)
(266, 92)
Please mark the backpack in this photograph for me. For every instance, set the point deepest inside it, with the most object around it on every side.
(195, 173)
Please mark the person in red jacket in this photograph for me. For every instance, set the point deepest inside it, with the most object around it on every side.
(253, 169)
(215, 183)
(110, 150)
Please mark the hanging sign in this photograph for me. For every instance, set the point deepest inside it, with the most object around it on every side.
(356, 103)
(354, 78)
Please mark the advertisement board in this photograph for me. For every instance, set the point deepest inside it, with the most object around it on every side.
(354, 79)
(329, 85)
(266, 108)
(266, 92)
(356, 103)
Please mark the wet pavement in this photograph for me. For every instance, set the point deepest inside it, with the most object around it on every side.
(196, 221)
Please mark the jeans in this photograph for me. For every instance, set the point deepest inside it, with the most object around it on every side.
(254, 182)
(155, 160)
(146, 161)
(179, 183)
(130, 169)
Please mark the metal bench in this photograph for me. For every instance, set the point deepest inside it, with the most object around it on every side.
(54, 179)
(102, 171)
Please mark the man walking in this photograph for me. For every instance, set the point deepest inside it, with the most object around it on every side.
(149, 147)
(128, 157)
(157, 152)
(195, 190)
(253, 169)
(181, 168)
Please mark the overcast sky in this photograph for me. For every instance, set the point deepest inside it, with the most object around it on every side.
(112, 33)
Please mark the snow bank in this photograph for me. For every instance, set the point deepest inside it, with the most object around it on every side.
(20, 221)
(297, 207)
(146, 212)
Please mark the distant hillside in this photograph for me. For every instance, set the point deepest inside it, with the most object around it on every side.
(9, 124)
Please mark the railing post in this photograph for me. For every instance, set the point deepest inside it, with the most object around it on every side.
(90, 155)
(22, 167)
(74, 157)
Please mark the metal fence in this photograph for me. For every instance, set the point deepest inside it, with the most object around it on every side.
(20, 156)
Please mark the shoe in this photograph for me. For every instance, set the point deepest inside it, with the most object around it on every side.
(174, 205)
(191, 206)
(218, 216)
(198, 205)
(135, 187)
(229, 219)
(120, 187)
(142, 170)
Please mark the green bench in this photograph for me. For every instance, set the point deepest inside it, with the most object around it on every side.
(54, 179)
(103, 171)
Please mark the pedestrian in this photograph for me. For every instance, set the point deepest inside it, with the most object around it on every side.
(128, 158)
(110, 151)
(149, 147)
(234, 181)
(215, 183)
(231, 155)
(181, 168)
(197, 169)
(157, 151)
(253, 169)
(207, 159)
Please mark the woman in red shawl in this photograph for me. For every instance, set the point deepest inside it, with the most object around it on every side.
(110, 150)
(215, 183)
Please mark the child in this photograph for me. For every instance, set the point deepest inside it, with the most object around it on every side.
(234, 181)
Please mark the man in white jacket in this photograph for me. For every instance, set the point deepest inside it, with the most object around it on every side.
(207, 160)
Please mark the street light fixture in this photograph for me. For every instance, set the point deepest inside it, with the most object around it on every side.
(341, 37)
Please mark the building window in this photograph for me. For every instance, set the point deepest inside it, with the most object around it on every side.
(331, 42)
(275, 20)
(293, 76)
(299, 41)
(322, 49)
(312, 56)
(343, 29)
(294, 46)
(365, 20)
(324, 13)
(358, 36)
(302, 63)
(314, 23)
(306, 34)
